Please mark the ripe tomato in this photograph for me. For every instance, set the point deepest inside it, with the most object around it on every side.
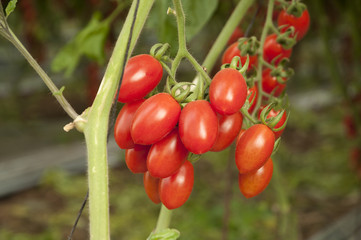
(175, 190)
(151, 186)
(237, 33)
(301, 24)
(228, 91)
(240, 135)
(233, 51)
(154, 119)
(228, 129)
(136, 158)
(141, 75)
(122, 125)
(272, 49)
(198, 126)
(270, 83)
(253, 91)
(166, 156)
(254, 148)
(274, 113)
(253, 183)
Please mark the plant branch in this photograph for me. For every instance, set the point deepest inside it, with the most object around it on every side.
(164, 218)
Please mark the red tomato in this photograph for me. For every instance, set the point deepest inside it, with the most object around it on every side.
(254, 148)
(228, 91)
(274, 113)
(254, 95)
(272, 49)
(151, 186)
(270, 83)
(350, 125)
(240, 135)
(228, 129)
(233, 51)
(237, 33)
(154, 119)
(122, 125)
(136, 158)
(166, 156)
(301, 24)
(198, 126)
(253, 183)
(175, 190)
(141, 75)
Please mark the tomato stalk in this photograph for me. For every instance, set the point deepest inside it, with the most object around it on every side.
(96, 129)
(164, 219)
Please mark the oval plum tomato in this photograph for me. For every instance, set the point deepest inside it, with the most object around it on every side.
(233, 51)
(253, 183)
(270, 83)
(136, 158)
(151, 186)
(175, 190)
(227, 91)
(228, 129)
(301, 24)
(272, 49)
(166, 156)
(240, 135)
(141, 75)
(254, 148)
(122, 125)
(274, 113)
(237, 33)
(253, 91)
(154, 119)
(198, 126)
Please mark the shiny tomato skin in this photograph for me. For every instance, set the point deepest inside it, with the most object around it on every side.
(274, 113)
(240, 135)
(270, 83)
(253, 91)
(166, 156)
(122, 125)
(228, 129)
(141, 75)
(198, 126)
(154, 119)
(254, 148)
(175, 190)
(136, 158)
(151, 187)
(233, 51)
(301, 24)
(272, 49)
(227, 91)
(253, 183)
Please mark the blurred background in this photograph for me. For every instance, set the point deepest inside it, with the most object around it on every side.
(315, 190)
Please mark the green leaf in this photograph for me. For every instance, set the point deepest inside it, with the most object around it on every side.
(88, 42)
(197, 13)
(166, 234)
(10, 7)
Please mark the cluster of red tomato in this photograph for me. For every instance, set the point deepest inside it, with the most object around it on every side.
(160, 137)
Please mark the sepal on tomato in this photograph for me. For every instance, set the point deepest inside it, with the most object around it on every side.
(296, 8)
(276, 146)
(248, 45)
(159, 50)
(288, 38)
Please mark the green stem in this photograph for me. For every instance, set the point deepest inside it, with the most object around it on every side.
(265, 30)
(164, 218)
(117, 11)
(222, 39)
(96, 129)
(46, 79)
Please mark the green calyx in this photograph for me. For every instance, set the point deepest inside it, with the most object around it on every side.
(248, 46)
(296, 8)
(285, 38)
(159, 51)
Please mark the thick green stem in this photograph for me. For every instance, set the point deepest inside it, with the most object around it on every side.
(222, 39)
(268, 24)
(96, 129)
(48, 82)
(164, 218)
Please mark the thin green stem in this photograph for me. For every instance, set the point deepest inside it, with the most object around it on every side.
(121, 5)
(46, 79)
(164, 218)
(246, 114)
(96, 129)
(198, 68)
(222, 39)
(266, 27)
